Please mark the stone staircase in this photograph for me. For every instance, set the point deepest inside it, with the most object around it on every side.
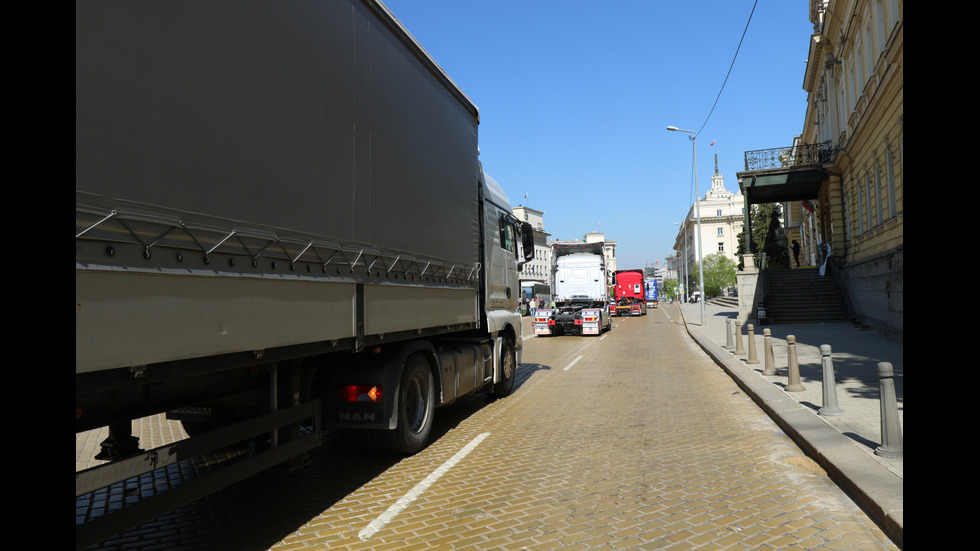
(727, 302)
(804, 296)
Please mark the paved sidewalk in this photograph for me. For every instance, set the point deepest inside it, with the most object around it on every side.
(844, 445)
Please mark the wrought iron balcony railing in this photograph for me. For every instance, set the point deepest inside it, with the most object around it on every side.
(785, 157)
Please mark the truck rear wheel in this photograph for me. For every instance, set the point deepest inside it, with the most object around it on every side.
(416, 407)
(508, 369)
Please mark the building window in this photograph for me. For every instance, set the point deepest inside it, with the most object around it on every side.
(867, 201)
(881, 36)
(721, 247)
(878, 191)
(868, 40)
(858, 205)
(507, 232)
(890, 182)
(721, 231)
(841, 99)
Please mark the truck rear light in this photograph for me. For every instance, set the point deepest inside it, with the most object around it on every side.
(360, 393)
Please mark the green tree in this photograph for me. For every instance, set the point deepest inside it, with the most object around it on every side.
(670, 287)
(719, 274)
(767, 237)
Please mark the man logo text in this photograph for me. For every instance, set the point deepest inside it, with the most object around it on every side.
(356, 416)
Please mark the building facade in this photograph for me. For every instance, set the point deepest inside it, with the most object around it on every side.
(537, 269)
(841, 182)
(854, 81)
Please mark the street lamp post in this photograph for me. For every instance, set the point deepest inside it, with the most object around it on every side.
(697, 208)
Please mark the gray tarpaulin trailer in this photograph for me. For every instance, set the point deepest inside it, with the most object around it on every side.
(264, 191)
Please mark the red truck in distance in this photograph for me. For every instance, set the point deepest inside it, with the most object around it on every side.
(630, 294)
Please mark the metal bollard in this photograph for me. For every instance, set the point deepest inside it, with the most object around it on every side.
(891, 428)
(738, 338)
(767, 351)
(830, 406)
(753, 357)
(793, 383)
(728, 333)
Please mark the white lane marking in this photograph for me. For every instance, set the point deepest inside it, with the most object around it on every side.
(406, 500)
(569, 366)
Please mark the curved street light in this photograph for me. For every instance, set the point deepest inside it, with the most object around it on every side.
(697, 208)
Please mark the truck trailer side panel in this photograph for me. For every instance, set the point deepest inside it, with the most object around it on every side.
(388, 307)
(304, 116)
(210, 316)
(125, 319)
(285, 153)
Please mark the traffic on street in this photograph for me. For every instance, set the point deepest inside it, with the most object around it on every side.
(632, 439)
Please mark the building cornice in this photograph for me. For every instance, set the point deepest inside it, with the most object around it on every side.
(818, 45)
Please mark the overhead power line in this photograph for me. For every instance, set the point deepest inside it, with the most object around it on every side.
(705, 123)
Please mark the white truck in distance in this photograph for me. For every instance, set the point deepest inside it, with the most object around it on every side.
(580, 299)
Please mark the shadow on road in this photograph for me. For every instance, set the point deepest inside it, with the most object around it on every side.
(258, 512)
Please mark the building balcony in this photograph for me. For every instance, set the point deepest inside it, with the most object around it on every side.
(809, 155)
(784, 173)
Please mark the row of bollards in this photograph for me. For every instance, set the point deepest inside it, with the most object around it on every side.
(891, 429)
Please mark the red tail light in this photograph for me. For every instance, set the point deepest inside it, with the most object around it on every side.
(360, 393)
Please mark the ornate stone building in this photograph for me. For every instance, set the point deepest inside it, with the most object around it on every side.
(841, 182)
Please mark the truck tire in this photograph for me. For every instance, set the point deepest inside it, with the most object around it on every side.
(416, 407)
(508, 369)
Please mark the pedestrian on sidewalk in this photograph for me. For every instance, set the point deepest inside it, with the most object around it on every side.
(796, 252)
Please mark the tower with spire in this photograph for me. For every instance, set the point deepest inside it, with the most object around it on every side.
(717, 190)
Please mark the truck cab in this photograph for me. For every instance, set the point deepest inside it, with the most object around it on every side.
(508, 244)
(630, 294)
(579, 297)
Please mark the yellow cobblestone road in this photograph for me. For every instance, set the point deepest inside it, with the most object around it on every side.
(632, 440)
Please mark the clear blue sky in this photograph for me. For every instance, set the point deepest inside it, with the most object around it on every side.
(575, 97)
